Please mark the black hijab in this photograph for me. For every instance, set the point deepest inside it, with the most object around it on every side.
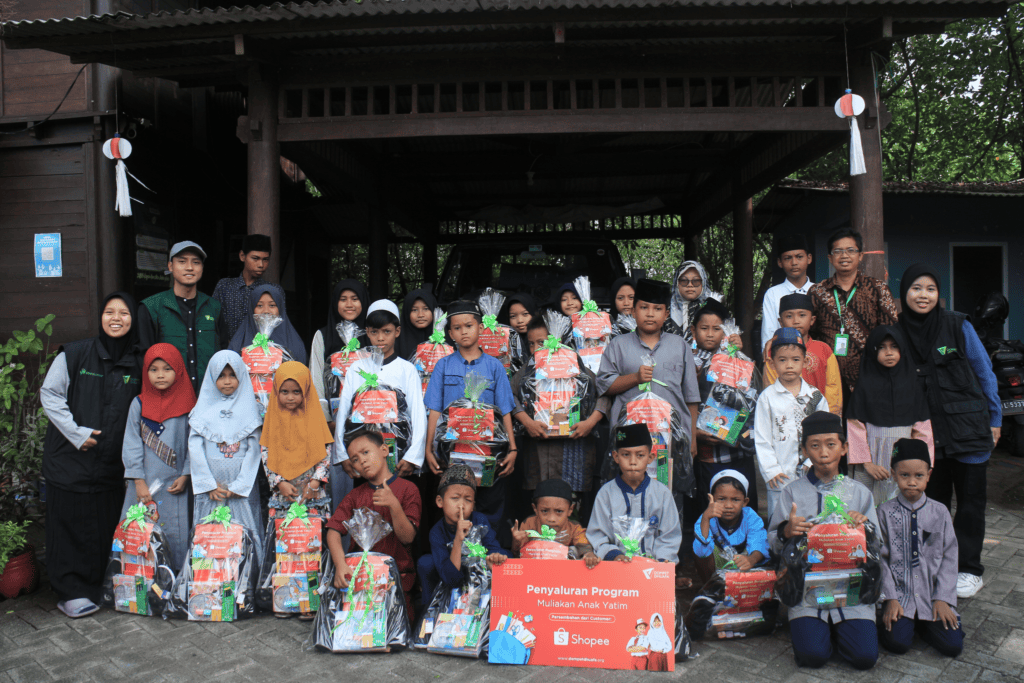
(887, 397)
(411, 336)
(616, 286)
(284, 334)
(920, 330)
(518, 341)
(117, 347)
(332, 342)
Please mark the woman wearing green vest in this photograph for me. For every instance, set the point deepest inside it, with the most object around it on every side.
(86, 396)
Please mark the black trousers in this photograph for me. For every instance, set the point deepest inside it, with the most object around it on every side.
(79, 531)
(969, 483)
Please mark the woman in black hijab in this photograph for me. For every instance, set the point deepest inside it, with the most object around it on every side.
(623, 291)
(349, 301)
(412, 336)
(86, 395)
(525, 311)
(956, 374)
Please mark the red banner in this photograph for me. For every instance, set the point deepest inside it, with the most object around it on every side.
(619, 615)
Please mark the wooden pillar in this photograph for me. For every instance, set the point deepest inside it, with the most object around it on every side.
(430, 263)
(379, 230)
(743, 266)
(690, 248)
(866, 189)
(265, 165)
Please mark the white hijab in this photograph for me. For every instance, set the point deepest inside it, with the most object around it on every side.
(225, 419)
(681, 309)
(657, 638)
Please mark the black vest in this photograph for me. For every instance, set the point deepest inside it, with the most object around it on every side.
(959, 409)
(99, 395)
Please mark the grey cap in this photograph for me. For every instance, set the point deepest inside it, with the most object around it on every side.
(182, 246)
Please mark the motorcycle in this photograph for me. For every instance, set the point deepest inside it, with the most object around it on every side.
(1008, 365)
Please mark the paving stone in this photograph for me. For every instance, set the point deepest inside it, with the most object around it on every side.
(1012, 648)
(959, 672)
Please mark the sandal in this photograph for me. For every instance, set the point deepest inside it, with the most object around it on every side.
(78, 608)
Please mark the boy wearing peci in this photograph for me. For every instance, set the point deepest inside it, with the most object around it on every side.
(794, 257)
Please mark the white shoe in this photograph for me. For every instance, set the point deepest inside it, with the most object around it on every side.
(968, 585)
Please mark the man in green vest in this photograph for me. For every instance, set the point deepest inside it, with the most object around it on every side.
(183, 316)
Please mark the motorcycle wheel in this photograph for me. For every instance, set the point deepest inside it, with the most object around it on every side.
(1012, 439)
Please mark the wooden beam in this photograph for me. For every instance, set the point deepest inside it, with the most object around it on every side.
(264, 165)
(743, 267)
(866, 215)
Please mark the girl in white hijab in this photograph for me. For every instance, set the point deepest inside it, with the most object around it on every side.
(659, 645)
(690, 290)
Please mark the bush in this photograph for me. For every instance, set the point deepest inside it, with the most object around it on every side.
(12, 541)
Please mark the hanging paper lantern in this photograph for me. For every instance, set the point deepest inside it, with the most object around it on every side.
(849, 107)
(119, 149)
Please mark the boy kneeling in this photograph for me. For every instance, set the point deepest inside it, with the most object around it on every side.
(853, 628)
(635, 494)
(919, 559)
(552, 505)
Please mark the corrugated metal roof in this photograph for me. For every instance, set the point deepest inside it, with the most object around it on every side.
(987, 189)
(281, 12)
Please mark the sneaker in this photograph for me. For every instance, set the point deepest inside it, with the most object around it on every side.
(77, 608)
(968, 585)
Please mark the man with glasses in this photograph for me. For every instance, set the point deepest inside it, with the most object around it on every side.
(848, 305)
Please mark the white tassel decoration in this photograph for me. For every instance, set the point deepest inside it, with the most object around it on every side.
(118, 149)
(850, 106)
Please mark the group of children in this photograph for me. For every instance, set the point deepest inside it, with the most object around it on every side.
(310, 453)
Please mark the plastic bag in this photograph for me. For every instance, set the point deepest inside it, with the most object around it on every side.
(672, 464)
(727, 412)
(683, 649)
(494, 337)
(341, 361)
(218, 580)
(835, 564)
(547, 544)
(263, 357)
(470, 431)
(290, 571)
(431, 351)
(591, 327)
(554, 391)
(380, 408)
(139, 574)
(457, 620)
(624, 324)
(631, 535)
(370, 615)
(735, 604)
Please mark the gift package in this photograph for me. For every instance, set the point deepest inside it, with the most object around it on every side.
(457, 620)
(138, 574)
(469, 431)
(624, 324)
(289, 575)
(591, 327)
(631, 536)
(431, 351)
(380, 408)
(726, 413)
(836, 564)
(340, 361)
(546, 544)
(218, 580)
(370, 615)
(735, 604)
(554, 390)
(494, 337)
(264, 357)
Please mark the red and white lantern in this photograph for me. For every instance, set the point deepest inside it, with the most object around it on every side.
(118, 149)
(849, 107)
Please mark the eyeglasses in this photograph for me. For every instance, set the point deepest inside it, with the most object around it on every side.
(852, 251)
(695, 282)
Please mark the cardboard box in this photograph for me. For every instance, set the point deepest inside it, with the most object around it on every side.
(745, 591)
(835, 546)
(131, 594)
(832, 589)
(374, 406)
(470, 424)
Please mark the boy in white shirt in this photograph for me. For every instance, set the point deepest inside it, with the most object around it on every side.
(780, 410)
(383, 329)
(794, 256)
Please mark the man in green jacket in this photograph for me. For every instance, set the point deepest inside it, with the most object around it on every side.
(183, 316)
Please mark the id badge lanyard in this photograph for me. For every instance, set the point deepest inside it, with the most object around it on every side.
(842, 345)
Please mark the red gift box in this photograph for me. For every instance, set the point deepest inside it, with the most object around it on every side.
(835, 546)
(561, 364)
(538, 549)
(134, 540)
(297, 537)
(733, 372)
(471, 424)
(745, 591)
(262, 362)
(375, 406)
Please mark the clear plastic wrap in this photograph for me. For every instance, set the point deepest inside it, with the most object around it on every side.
(836, 564)
(139, 575)
(494, 337)
(554, 391)
(470, 431)
(672, 464)
(631, 535)
(370, 615)
(683, 650)
(290, 571)
(591, 327)
(733, 603)
(341, 361)
(735, 384)
(624, 324)
(263, 357)
(380, 408)
(457, 620)
(218, 579)
(431, 351)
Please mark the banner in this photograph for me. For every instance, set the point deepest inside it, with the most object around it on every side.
(619, 615)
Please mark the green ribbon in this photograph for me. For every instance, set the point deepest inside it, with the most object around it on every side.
(491, 322)
(295, 512)
(833, 504)
(437, 337)
(630, 547)
(590, 306)
(552, 344)
(352, 586)
(262, 341)
(474, 550)
(646, 386)
(372, 382)
(221, 514)
(352, 345)
(732, 350)
(546, 533)
(136, 513)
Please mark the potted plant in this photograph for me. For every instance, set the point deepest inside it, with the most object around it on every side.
(25, 359)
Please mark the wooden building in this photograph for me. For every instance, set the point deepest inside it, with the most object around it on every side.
(435, 115)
